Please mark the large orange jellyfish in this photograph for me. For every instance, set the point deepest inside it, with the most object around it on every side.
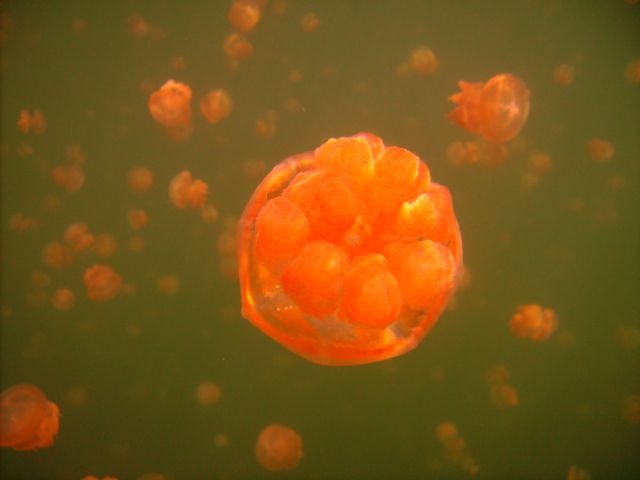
(497, 110)
(28, 420)
(348, 254)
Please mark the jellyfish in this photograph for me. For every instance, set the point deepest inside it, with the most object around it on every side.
(533, 322)
(28, 421)
(187, 192)
(348, 254)
(139, 179)
(102, 283)
(170, 106)
(278, 448)
(496, 110)
(216, 105)
(244, 15)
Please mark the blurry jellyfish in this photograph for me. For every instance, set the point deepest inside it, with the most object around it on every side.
(564, 74)
(105, 245)
(168, 284)
(137, 218)
(186, 192)
(57, 255)
(278, 448)
(170, 106)
(310, 22)
(632, 72)
(207, 393)
(28, 421)
(600, 150)
(75, 155)
(19, 222)
(139, 179)
(423, 61)
(244, 15)
(497, 110)
(63, 299)
(102, 283)
(221, 440)
(78, 237)
(631, 409)
(502, 394)
(237, 48)
(216, 105)
(533, 322)
(209, 213)
(70, 178)
(577, 473)
(32, 122)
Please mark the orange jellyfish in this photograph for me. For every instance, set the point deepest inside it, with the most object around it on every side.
(28, 420)
(102, 283)
(170, 106)
(279, 448)
(533, 322)
(185, 191)
(216, 105)
(497, 110)
(348, 254)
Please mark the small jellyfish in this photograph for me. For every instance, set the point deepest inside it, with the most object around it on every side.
(600, 150)
(102, 283)
(168, 284)
(564, 74)
(237, 48)
(310, 22)
(57, 255)
(244, 15)
(34, 122)
(139, 179)
(207, 393)
(187, 192)
(68, 177)
(278, 448)
(216, 105)
(533, 322)
(423, 61)
(632, 72)
(497, 110)
(78, 237)
(137, 218)
(28, 420)
(170, 106)
(105, 245)
(63, 299)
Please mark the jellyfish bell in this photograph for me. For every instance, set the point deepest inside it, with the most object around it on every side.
(349, 253)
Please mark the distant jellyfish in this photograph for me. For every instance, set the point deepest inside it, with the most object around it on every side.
(533, 322)
(57, 255)
(600, 150)
(310, 22)
(137, 218)
(63, 299)
(497, 110)
(423, 61)
(216, 105)
(139, 179)
(632, 72)
(102, 283)
(105, 245)
(207, 393)
(170, 106)
(187, 192)
(68, 177)
(28, 420)
(237, 48)
(244, 15)
(168, 284)
(78, 237)
(32, 122)
(631, 409)
(564, 74)
(278, 448)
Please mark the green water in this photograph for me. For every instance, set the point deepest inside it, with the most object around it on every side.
(139, 357)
